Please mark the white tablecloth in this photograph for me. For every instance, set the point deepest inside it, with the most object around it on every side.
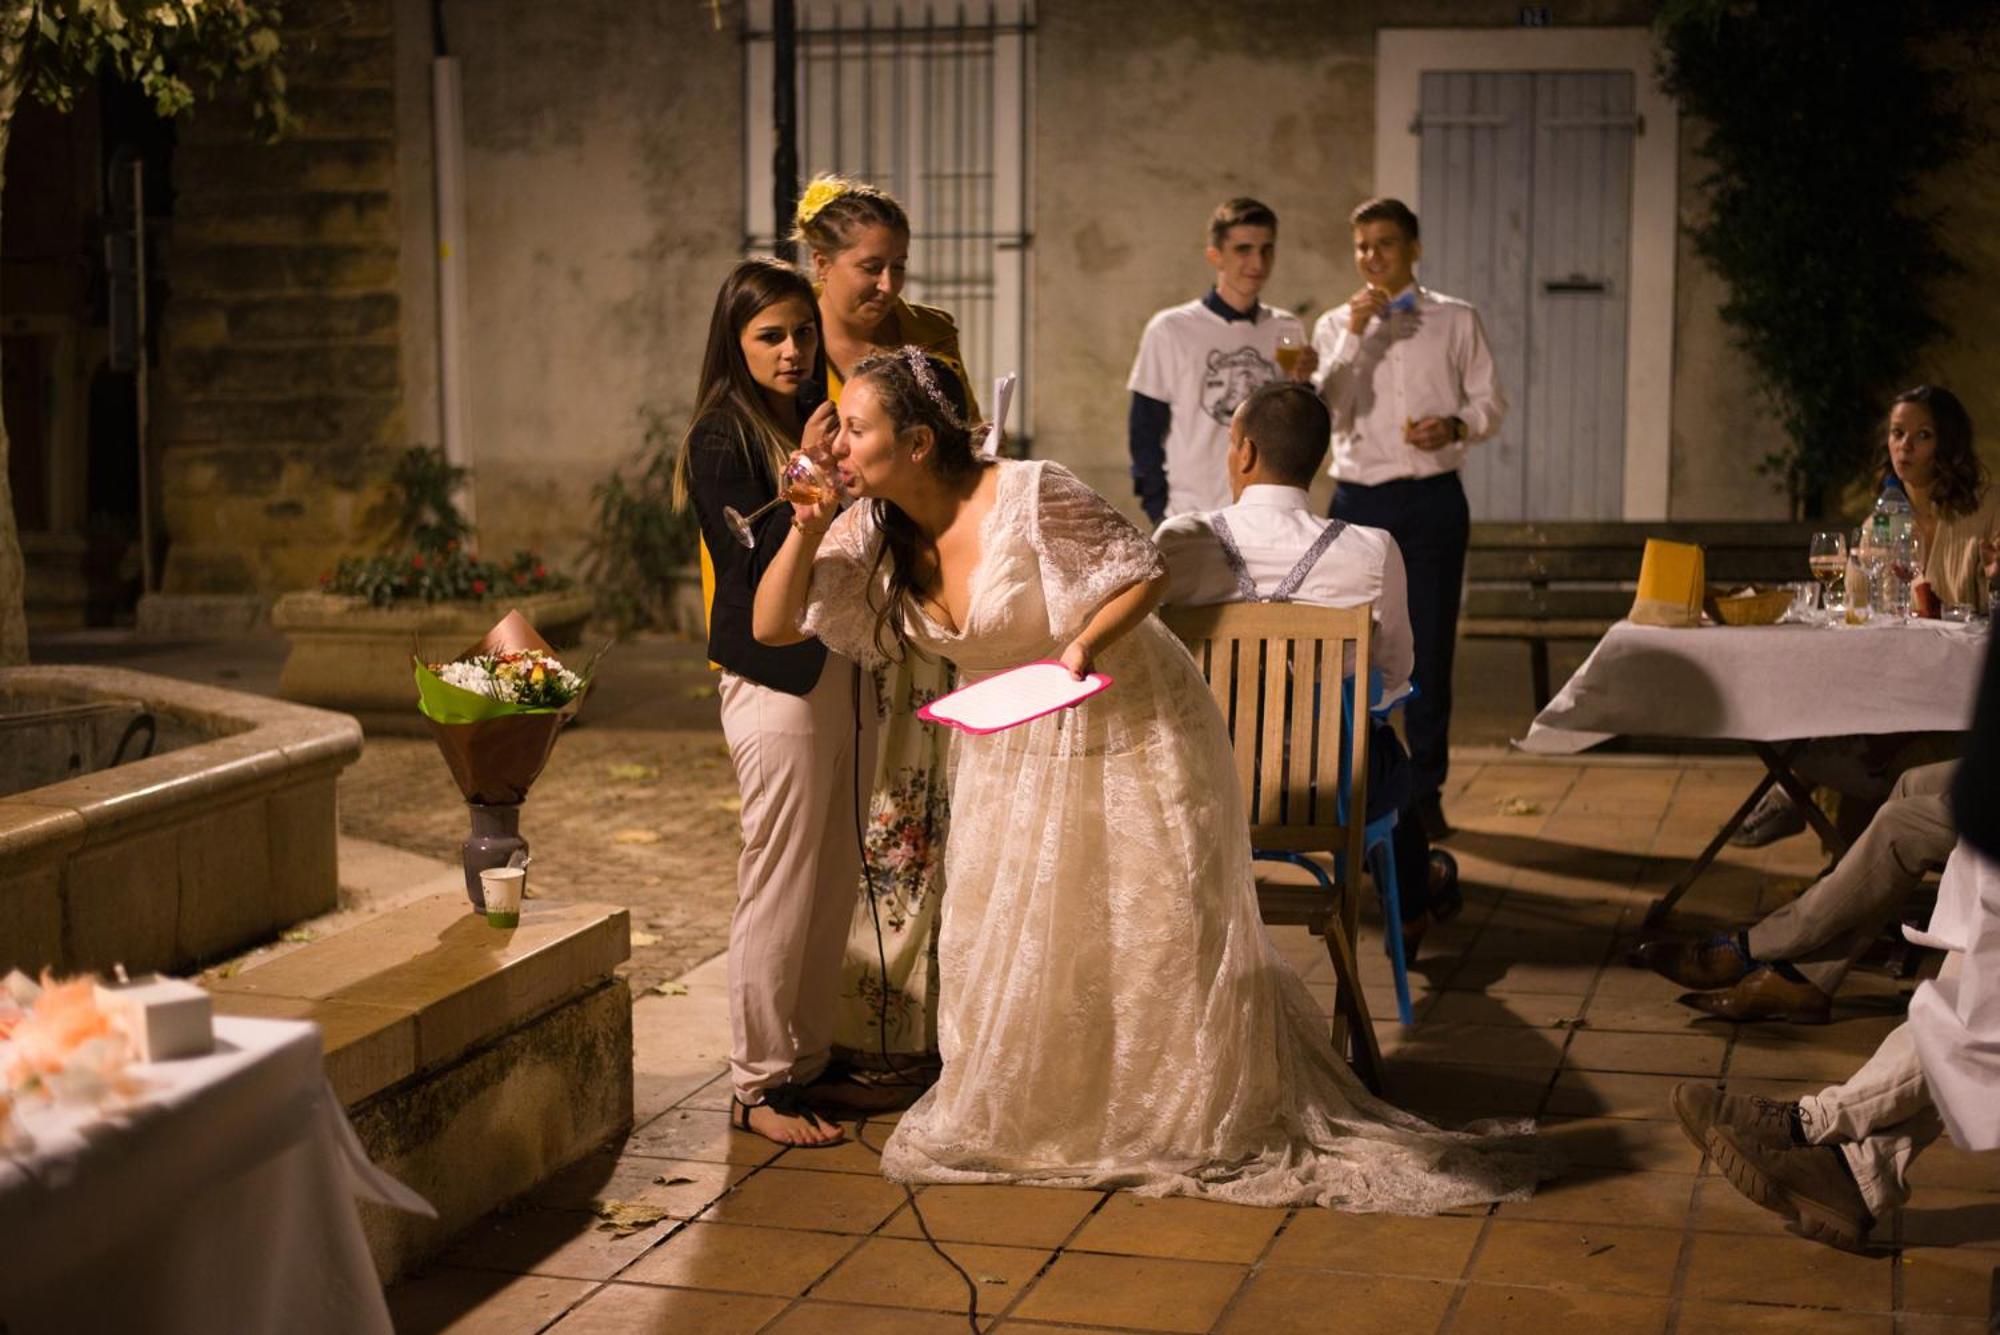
(222, 1200)
(1766, 683)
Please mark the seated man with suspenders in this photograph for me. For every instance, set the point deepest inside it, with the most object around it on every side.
(1270, 547)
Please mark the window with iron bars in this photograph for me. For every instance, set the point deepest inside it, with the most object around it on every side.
(929, 100)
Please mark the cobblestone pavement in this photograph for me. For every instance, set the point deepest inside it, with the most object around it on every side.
(660, 838)
(638, 816)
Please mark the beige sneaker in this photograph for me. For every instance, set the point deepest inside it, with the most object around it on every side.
(1810, 1185)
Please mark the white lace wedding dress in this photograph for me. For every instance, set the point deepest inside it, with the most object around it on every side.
(1112, 1010)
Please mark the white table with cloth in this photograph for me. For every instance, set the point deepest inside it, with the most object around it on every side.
(1772, 688)
(220, 1199)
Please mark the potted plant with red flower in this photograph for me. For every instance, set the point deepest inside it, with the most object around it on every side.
(351, 638)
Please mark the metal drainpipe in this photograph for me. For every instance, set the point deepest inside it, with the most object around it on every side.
(448, 157)
(785, 124)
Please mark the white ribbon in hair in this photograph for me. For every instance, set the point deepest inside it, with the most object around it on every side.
(1003, 395)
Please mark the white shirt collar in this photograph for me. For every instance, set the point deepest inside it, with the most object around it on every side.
(1267, 496)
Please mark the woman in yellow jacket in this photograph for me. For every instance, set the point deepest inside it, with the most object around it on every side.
(859, 240)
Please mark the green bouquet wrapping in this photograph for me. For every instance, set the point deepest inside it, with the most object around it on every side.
(496, 709)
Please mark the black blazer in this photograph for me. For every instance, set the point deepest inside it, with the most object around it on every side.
(720, 473)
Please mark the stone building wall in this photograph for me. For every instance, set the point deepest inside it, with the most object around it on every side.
(279, 394)
(604, 157)
(604, 187)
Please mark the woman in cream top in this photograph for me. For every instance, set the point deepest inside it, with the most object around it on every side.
(1957, 513)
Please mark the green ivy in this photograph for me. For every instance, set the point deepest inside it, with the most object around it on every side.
(1821, 122)
(639, 543)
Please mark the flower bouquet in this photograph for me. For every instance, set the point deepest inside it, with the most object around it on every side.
(495, 711)
(57, 1045)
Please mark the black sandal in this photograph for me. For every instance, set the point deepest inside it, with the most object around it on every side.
(788, 1101)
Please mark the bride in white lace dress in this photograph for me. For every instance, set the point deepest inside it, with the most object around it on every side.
(1113, 1013)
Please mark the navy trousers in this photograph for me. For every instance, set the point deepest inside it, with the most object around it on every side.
(1430, 522)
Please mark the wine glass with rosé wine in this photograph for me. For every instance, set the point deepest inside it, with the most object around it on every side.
(802, 483)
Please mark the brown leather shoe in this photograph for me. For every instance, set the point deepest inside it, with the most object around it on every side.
(1764, 994)
(1700, 1106)
(1810, 1185)
(1716, 962)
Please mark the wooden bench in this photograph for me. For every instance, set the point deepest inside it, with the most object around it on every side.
(474, 1061)
(1571, 581)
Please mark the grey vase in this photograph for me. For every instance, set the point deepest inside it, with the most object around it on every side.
(495, 839)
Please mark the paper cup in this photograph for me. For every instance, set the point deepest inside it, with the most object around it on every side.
(503, 894)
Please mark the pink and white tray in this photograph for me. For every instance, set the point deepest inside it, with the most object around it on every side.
(1009, 699)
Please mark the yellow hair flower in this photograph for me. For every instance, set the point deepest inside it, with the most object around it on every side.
(822, 192)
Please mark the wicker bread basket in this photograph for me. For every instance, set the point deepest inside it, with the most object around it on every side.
(1766, 607)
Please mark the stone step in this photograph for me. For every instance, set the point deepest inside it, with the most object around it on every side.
(474, 1061)
(410, 989)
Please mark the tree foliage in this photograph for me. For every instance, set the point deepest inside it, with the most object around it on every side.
(1822, 122)
(177, 51)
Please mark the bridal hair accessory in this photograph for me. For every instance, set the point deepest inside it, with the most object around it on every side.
(920, 367)
(822, 192)
(1003, 395)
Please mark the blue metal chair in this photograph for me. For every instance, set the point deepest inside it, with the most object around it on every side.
(1378, 844)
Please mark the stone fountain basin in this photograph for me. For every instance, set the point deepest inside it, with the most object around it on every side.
(220, 839)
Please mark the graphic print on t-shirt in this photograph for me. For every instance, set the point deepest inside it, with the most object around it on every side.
(1231, 378)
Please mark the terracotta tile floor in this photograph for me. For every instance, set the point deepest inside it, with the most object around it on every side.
(1524, 1006)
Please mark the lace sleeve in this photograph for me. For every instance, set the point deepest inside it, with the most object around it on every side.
(838, 608)
(1087, 550)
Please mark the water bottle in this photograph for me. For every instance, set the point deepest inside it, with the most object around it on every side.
(1892, 532)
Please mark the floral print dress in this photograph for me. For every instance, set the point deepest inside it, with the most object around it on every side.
(894, 1009)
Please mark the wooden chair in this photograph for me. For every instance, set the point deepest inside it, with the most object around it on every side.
(1276, 672)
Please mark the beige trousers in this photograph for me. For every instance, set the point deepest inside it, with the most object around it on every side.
(795, 767)
(1881, 1118)
(1826, 929)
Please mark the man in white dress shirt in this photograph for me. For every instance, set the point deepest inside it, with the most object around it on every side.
(1270, 546)
(1410, 382)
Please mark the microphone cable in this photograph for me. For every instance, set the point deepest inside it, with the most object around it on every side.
(882, 1013)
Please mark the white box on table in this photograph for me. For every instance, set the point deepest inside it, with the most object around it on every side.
(166, 1017)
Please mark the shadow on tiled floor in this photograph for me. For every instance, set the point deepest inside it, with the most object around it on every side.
(1524, 1009)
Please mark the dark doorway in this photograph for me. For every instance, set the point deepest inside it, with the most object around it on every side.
(68, 302)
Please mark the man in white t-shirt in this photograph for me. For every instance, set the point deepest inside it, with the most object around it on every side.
(1198, 361)
(1410, 382)
(1268, 546)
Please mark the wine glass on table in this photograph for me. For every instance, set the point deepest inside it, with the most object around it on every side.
(1906, 561)
(1827, 558)
(802, 483)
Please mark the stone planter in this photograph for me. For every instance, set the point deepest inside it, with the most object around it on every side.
(349, 656)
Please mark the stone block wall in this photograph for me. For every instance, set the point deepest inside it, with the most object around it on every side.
(279, 398)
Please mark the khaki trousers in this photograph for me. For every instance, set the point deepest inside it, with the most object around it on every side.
(1826, 929)
(1881, 1117)
(795, 882)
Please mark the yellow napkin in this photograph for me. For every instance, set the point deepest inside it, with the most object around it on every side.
(1672, 577)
